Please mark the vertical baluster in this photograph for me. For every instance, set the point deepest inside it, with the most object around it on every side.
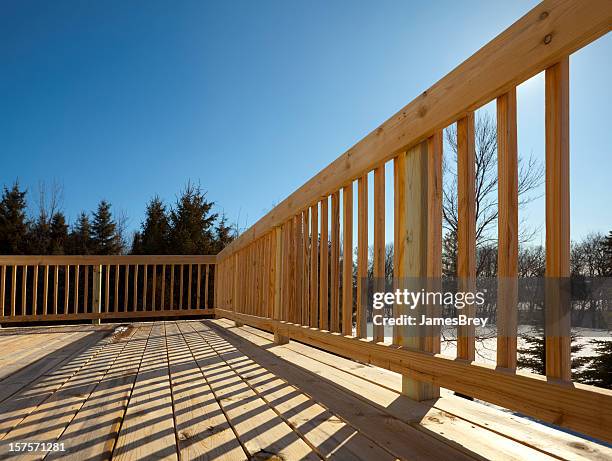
(557, 302)
(347, 262)
(181, 287)
(199, 287)
(379, 241)
(135, 288)
(96, 293)
(145, 286)
(126, 288)
(75, 302)
(66, 289)
(206, 286)
(107, 289)
(116, 295)
(24, 286)
(507, 249)
(399, 238)
(171, 286)
(153, 286)
(14, 291)
(45, 290)
(299, 266)
(335, 262)
(2, 290)
(189, 283)
(305, 268)
(86, 289)
(362, 254)
(324, 274)
(35, 290)
(163, 288)
(55, 290)
(466, 230)
(314, 266)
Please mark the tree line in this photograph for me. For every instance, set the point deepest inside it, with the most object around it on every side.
(188, 226)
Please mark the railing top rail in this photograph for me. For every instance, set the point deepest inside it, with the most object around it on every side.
(550, 31)
(33, 260)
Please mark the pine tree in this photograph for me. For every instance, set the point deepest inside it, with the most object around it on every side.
(533, 355)
(80, 237)
(13, 221)
(449, 254)
(598, 369)
(105, 237)
(191, 222)
(154, 238)
(39, 236)
(58, 232)
(224, 234)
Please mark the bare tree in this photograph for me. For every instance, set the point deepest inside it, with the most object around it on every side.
(530, 178)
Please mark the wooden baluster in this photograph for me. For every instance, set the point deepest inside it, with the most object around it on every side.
(126, 288)
(86, 289)
(75, 301)
(116, 296)
(135, 288)
(45, 290)
(189, 283)
(362, 255)
(35, 290)
(466, 230)
(206, 286)
(2, 290)
(96, 293)
(557, 302)
(107, 289)
(279, 338)
(324, 274)
(181, 286)
(306, 264)
(171, 286)
(335, 262)
(13, 291)
(347, 262)
(24, 291)
(299, 266)
(153, 287)
(507, 230)
(55, 290)
(163, 288)
(145, 286)
(379, 242)
(199, 287)
(399, 239)
(314, 265)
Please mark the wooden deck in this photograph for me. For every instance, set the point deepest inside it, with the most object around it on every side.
(209, 390)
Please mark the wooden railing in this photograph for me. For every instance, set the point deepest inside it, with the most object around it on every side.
(47, 288)
(279, 275)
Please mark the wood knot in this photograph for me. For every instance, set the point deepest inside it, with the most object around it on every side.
(265, 455)
(379, 131)
(547, 39)
(422, 111)
(543, 15)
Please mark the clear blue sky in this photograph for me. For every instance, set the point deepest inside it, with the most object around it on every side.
(124, 100)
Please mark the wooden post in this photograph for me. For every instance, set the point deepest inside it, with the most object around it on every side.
(418, 229)
(278, 337)
(97, 292)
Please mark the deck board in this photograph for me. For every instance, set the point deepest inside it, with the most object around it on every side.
(209, 390)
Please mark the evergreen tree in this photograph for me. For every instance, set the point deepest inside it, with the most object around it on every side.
(136, 248)
(39, 236)
(449, 254)
(191, 222)
(223, 235)
(598, 369)
(13, 222)
(80, 237)
(155, 234)
(105, 236)
(58, 232)
(533, 355)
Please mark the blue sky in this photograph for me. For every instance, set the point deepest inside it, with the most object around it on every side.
(125, 100)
